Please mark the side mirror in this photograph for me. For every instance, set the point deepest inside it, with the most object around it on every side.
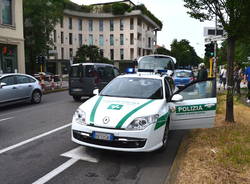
(2, 84)
(177, 98)
(96, 92)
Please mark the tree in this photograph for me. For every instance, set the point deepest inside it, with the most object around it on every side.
(184, 53)
(163, 50)
(90, 53)
(40, 18)
(234, 16)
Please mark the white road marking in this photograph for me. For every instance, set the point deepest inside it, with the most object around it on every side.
(33, 139)
(81, 154)
(76, 154)
(56, 171)
(6, 119)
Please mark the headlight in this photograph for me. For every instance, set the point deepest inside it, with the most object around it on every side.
(142, 122)
(79, 117)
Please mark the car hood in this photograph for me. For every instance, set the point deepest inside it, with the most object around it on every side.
(113, 112)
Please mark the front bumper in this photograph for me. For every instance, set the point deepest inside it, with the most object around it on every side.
(131, 141)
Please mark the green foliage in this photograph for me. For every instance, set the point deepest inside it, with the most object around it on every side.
(146, 12)
(119, 8)
(40, 18)
(163, 50)
(184, 53)
(75, 7)
(107, 8)
(90, 53)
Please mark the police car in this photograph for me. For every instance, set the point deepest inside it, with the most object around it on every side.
(135, 112)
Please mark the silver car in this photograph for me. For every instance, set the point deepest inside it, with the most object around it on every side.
(15, 88)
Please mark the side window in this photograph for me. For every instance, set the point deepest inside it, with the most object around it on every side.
(9, 80)
(23, 79)
(167, 89)
(109, 73)
(116, 72)
(204, 89)
(171, 84)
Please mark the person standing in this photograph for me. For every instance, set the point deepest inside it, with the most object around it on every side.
(247, 78)
(223, 75)
(202, 72)
(237, 78)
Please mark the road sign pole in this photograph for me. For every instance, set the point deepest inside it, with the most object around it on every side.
(211, 67)
(41, 68)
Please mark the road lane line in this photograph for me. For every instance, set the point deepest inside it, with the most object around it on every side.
(55, 172)
(33, 139)
(6, 119)
(81, 154)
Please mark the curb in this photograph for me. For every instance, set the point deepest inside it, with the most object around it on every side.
(178, 161)
(54, 91)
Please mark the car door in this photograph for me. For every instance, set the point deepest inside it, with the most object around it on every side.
(197, 109)
(8, 92)
(24, 86)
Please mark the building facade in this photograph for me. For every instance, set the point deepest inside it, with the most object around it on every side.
(120, 38)
(11, 37)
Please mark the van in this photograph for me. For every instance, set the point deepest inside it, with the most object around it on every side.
(85, 77)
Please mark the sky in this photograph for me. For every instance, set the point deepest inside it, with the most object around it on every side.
(177, 24)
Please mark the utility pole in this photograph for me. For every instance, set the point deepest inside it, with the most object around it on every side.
(215, 45)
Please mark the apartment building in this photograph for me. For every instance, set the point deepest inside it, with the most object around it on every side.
(121, 38)
(11, 37)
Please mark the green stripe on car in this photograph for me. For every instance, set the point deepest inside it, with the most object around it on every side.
(124, 119)
(92, 115)
(161, 121)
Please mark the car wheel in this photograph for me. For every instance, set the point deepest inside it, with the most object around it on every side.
(36, 97)
(77, 98)
(165, 137)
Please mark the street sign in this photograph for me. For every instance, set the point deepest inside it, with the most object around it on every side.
(211, 31)
(215, 38)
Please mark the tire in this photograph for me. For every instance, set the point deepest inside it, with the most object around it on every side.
(165, 138)
(77, 98)
(36, 97)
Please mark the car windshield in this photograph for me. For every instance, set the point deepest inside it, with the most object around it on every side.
(183, 74)
(156, 62)
(132, 87)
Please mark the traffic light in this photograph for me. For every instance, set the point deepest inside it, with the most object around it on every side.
(209, 49)
(40, 60)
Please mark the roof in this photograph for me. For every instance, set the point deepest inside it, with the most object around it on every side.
(143, 75)
(159, 55)
(183, 70)
(122, 1)
(77, 64)
(9, 74)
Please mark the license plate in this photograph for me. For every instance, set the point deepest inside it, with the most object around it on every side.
(103, 136)
(76, 89)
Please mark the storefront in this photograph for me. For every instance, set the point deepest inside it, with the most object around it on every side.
(8, 58)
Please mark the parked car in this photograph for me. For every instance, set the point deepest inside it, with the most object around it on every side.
(85, 77)
(183, 77)
(15, 88)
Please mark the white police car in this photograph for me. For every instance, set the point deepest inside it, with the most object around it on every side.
(135, 112)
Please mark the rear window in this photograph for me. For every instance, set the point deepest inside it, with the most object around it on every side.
(183, 74)
(82, 71)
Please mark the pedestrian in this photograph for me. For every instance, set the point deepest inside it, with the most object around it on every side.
(237, 78)
(202, 72)
(223, 75)
(247, 78)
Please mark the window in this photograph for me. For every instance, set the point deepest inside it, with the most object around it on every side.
(121, 39)
(112, 54)
(139, 36)
(62, 53)
(131, 23)
(9, 80)
(111, 39)
(24, 79)
(70, 38)
(80, 40)
(167, 90)
(111, 23)
(131, 38)
(91, 42)
(61, 22)
(149, 42)
(101, 40)
(106, 73)
(70, 23)
(90, 25)
(6, 12)
(80, 24)
(54, 36)
(62, 38)
(70, 52)
(139, 22)
(131, 53)
(101, 52)
(100, 25)
(121, 54)
(121, 25)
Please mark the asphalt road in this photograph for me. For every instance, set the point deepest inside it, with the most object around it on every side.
(35, 147)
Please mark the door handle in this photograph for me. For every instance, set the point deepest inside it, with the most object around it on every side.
(14, 87)
(29, 86)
